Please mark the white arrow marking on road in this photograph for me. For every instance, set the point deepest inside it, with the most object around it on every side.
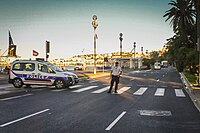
(179, 93)
(155, 113)
(101, 90)
(160, 92)
(140, 91)
(116, 120)
(85, 89)
(15, 97)
(23, 118)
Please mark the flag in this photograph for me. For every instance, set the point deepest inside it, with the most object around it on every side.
(10, 39)
(35, 53)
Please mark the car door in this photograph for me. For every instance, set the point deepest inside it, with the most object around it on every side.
(45, 74)
(25, 71)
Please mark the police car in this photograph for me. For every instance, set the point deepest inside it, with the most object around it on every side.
(33, 72)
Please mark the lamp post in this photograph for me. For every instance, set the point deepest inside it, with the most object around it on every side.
(95, 24)
(134, 46)
(120, 38)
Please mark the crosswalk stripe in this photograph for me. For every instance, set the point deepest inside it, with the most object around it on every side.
(6, 86)
(101, 90)
(92, 81)
(85, 89)
(179, 93)
(160, 92)
(122, 90)
(57, 90)
(140, 91)
(75, 86)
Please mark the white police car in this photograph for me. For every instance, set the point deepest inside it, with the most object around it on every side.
(32, 72)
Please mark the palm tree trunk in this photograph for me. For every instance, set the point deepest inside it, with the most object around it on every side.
(197, 7)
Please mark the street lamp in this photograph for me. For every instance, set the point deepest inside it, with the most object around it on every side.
(95, 24)
(120, 38)
(134, 46)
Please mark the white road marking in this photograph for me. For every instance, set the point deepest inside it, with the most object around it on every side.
(155, 113)
(179, 93)
(122, 90)
(58, 90)
(116, 120)
(101, 90)
(160, 92)
(92, 81)
(140, 91)
(85, 89)
(15, 97)
(5, 86)
(75, 86)
(23, 118)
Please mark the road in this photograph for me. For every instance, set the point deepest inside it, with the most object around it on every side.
(151, 101)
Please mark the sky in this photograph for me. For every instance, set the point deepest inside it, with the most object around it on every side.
(67, 24)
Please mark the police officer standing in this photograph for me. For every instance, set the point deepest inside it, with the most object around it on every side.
(115, 73)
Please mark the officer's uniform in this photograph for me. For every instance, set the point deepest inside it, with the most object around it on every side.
(116, 71)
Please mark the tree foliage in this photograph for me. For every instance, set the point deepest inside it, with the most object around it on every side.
(182, 46)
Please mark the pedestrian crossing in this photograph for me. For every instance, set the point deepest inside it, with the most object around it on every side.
(159, 92)
(95, 89)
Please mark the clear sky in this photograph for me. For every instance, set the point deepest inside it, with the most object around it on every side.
(67, 25)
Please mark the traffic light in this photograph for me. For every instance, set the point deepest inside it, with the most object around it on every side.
(47, 47)
(47, 56)
(12, 51)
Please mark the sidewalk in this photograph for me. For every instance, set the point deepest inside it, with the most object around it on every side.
(194, 92)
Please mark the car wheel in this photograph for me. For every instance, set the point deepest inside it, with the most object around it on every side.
(17, 83)
(59, 84)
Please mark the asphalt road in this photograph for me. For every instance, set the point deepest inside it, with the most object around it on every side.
(151, 101)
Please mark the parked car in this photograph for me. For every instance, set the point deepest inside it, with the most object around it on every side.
(164, 64)
(79, 66)
(33, 72)
(157, 66)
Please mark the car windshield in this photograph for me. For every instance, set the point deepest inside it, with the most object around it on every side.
(56, 68)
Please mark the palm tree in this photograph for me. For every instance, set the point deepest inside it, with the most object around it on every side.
(197, 7)
(181, 15)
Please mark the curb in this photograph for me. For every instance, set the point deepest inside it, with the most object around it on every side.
(187, 86)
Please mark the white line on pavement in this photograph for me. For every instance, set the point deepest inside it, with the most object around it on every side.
(101, 90)
(60, 90)
(116, 120)
(140, 91)
(160, 92)
(92, 81)
(179, 93)
(23, 118)
(85, 89)
(15, 97)
(75, 86)
(5, 86)
(122, 90)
